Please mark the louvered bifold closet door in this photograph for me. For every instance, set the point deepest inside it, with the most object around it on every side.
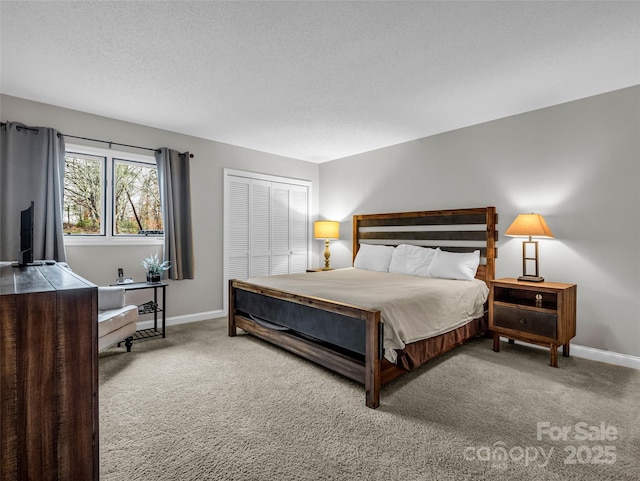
(238, 228)
(280, 228)
(267, 226)
(260, 228)
(298, 228)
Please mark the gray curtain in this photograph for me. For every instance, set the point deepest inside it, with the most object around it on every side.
(31, 169)
(175, 197)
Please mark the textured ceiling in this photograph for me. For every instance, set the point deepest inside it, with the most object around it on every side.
(315, 80)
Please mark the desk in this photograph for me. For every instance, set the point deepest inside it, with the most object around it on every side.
(149, 308)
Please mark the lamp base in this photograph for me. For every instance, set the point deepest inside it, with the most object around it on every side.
(531, 279)
(327, 256)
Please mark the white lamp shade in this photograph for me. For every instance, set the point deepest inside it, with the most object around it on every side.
(326, 229)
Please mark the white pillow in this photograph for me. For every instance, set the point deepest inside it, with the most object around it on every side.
(373, 257)
(412, 260)
(455, 265)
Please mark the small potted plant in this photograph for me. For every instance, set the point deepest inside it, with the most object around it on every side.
(155, 268)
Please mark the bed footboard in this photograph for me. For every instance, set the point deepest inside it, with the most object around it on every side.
(340, 337)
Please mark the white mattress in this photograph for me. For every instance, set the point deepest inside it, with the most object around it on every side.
(412, 307)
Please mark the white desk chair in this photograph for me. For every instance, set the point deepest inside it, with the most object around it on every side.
(116, 321)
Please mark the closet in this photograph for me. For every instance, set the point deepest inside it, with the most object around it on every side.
(266, 225)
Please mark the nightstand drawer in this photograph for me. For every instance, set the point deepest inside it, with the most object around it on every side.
(525, 320)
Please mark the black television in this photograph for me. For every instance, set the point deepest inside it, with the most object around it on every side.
(25, 254)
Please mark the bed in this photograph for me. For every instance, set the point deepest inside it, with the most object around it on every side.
(349, 338)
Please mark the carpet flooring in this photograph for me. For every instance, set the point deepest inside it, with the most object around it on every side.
(199, 405)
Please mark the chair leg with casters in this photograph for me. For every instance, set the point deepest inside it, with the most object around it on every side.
(128, 342)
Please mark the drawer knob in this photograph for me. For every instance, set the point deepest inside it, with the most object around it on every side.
(522, 320)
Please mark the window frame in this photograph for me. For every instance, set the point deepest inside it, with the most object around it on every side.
(108, 237)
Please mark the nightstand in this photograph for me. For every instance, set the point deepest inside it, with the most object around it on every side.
(319, 269)
(541, 313)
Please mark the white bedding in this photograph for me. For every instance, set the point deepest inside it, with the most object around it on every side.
(412, 307)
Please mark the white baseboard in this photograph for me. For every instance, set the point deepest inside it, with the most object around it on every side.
(606, 356)
(175, 320)
(594, 354)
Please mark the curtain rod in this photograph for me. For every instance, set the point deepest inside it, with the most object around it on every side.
(92, 140)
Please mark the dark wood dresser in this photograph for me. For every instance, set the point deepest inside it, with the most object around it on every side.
(48, 375)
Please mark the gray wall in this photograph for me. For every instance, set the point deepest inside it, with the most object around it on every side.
(578, 164)
(99, 263)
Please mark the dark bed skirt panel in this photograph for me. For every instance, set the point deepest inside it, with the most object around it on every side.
(417, 353)
(343, 331)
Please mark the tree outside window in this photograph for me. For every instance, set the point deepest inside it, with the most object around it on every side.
(134, 199)
(83, 194)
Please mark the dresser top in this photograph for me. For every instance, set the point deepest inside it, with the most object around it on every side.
(45, 278)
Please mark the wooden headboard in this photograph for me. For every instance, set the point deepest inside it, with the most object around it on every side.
(454, 230)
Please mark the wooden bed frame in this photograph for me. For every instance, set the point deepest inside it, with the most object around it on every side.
(363, 361)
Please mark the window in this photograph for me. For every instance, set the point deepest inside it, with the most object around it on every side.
(136, 198)
(83, 194)
(110, 197)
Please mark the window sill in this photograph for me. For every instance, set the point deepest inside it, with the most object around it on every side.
(111, 241)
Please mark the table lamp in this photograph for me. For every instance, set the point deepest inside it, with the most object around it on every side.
(531, 225)
(326, 229)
